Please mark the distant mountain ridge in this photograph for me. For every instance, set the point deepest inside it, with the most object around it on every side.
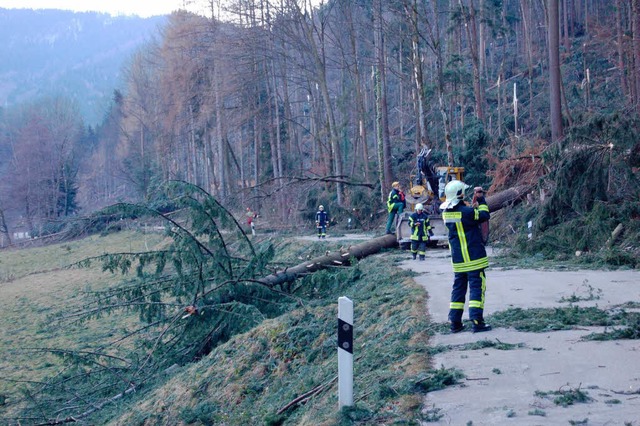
(78, 55)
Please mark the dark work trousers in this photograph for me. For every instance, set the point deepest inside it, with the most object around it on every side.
(476, 281)
(418, 247)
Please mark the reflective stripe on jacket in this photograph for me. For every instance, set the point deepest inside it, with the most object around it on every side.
(465, 238)
(420, 226)
(322, 217)
(394, 197)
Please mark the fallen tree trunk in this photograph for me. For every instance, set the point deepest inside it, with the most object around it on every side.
(358, 251)
(504, 198)
(338, 258)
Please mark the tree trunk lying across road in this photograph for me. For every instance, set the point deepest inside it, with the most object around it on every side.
(504, 198)
(338, 258)
(343, 257)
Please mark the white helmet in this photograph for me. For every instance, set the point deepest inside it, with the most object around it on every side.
(320, 207)
(454, 191)
(419, 207)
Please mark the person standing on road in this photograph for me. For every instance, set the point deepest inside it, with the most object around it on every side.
(322, 221)
(250, 220)
(468, 254)
(420, 226)
(395, 204)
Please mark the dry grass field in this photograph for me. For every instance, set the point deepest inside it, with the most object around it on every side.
(38, 289)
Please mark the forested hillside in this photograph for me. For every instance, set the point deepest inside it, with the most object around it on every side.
(81, 56)
(280, 107)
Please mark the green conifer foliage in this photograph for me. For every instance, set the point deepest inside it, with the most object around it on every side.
(195, 291)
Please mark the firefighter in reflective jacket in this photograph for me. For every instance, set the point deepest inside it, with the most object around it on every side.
(322, 221)
(468, 254)
(420, 227)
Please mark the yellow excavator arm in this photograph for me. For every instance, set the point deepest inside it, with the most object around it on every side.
(429, 180)
(427, 188)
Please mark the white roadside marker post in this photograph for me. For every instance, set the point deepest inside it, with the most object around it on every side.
(345, 351)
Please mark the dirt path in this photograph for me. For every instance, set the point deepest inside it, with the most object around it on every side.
(504, 387)
(339, 237)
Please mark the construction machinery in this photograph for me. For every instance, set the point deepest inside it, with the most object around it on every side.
(427, 188)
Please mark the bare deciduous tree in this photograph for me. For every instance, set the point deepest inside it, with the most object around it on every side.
(554, 72)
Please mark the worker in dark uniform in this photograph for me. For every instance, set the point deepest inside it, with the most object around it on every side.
(395, 204)
(420, 226)
(468, 254)
(322, 221)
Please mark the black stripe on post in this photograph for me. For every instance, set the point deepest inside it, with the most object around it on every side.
(345, 336)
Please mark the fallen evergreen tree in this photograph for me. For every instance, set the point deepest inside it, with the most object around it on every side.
(592, 197)
(191, 294)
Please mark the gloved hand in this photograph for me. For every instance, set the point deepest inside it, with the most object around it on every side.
(478, 192)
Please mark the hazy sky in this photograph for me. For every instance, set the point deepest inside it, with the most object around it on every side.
(142, 8)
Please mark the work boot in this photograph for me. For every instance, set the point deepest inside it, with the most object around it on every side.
(414, 256)
(421, 257)
(456, 327)
(479, 326)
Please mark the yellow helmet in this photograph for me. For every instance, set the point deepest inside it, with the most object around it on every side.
(454, 193)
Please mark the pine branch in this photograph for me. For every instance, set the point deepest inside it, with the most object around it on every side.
(76, 353)
(220, 206)
(96, 407)
(307, 395)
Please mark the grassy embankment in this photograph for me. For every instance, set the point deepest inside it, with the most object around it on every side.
(255, 377)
